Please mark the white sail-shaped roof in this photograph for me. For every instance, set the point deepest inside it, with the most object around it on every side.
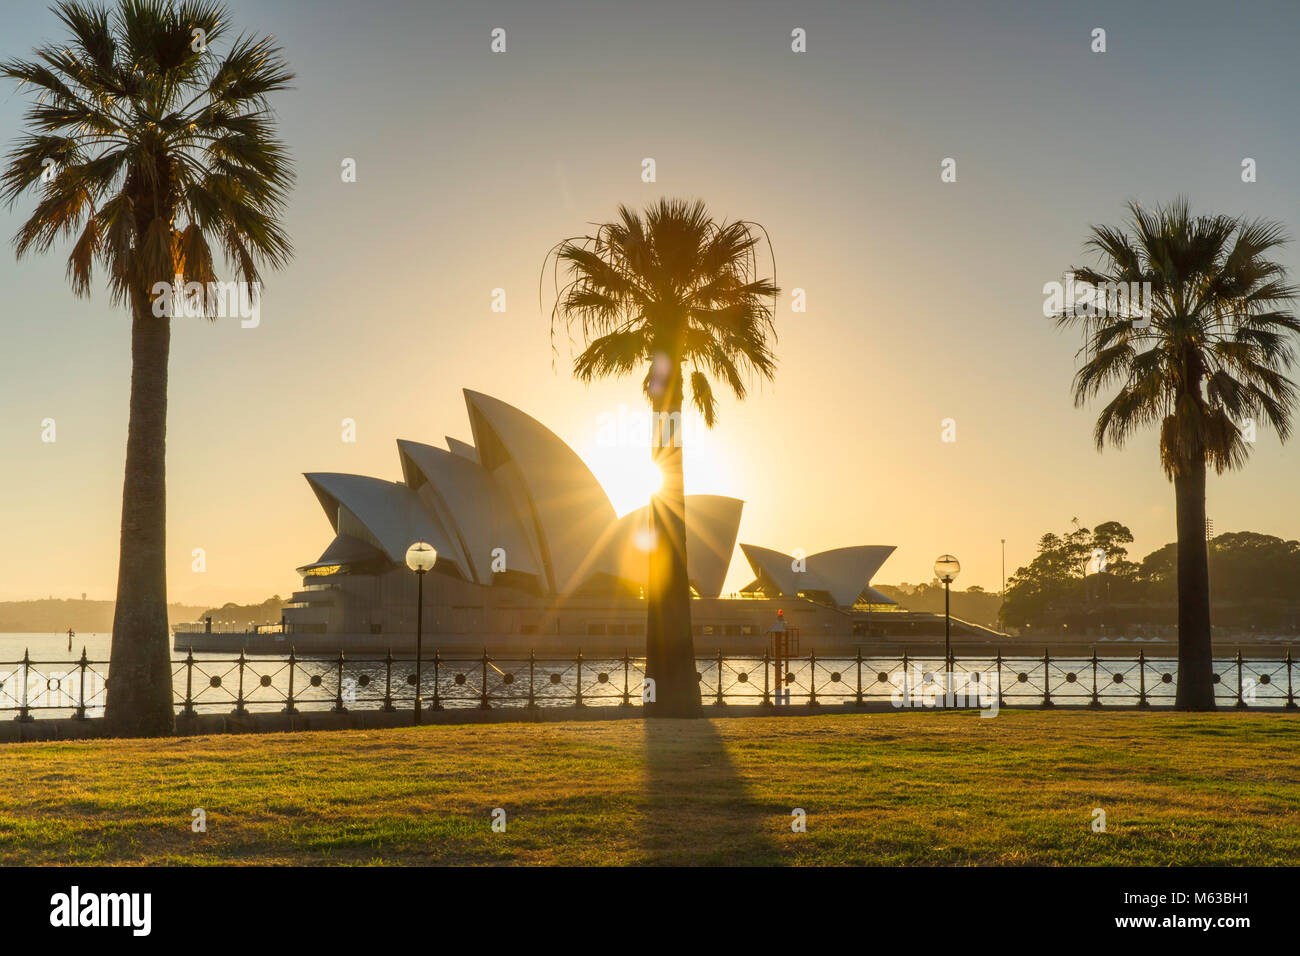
(471, 505)
(842, 572)
(385, 514)
(550, 487)
(344, 549)
(712, 523)
(846, 571)
(774, 570)
(464, 449)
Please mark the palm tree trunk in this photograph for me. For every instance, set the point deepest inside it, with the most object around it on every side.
(670, 648)
(1195, 648)
(140, 682)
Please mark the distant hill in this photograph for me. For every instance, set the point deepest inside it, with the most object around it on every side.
(268, 612)
(55, 615)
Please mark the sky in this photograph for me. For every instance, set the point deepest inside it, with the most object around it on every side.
(924, 299)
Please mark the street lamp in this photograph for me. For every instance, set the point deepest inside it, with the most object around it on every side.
(946, 569)
(420, 557)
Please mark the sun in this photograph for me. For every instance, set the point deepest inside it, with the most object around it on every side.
(628, 476)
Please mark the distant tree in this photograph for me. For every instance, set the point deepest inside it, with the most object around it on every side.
(268, 612)
(1249, 570)
(1246, 566)
(1064, 564)
(1033, 589)
(1110, 538)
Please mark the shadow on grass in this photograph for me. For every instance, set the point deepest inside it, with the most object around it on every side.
(697, 809)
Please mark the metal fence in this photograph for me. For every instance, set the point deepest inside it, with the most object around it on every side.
(243, 684)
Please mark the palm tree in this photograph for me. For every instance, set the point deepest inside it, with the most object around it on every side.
(149, 148)
(1205, 357)
(662, 292)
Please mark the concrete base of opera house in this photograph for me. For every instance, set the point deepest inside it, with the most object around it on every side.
(474, 646)
(909, 630)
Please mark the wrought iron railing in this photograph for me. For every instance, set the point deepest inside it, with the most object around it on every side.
(244, 684)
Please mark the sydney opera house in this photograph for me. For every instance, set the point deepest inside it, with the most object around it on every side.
(532, 555)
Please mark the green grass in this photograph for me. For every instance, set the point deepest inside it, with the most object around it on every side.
(908, 788)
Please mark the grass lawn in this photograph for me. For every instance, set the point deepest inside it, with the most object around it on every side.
(906, 788)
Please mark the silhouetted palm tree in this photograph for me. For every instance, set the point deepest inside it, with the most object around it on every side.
(1207, 358)
(149, 148)
(660, 293)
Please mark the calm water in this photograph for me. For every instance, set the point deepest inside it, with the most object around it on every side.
(53, 646)
(53, 684)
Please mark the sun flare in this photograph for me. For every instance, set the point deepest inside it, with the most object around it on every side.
(629, 477)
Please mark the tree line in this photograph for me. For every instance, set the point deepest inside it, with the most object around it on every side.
(1083, 579)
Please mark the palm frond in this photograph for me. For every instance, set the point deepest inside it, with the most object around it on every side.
(164, 148)
(1219, 345)
(668, 281)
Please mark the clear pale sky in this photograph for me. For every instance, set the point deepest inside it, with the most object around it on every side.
(924, 298)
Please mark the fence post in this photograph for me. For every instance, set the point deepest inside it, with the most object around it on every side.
(812, 678)
(1096, 701)
(1142, 679)
(907, 701)
(627, 697)
(188, 709)
(1290, 697)
(483, 691)
(388, 681)
(24, 714)
(950, 679)
(1241, 703)
(289, 708)
(532, 664)
(719, 702)
(859, 663)
(338, 707)
(81, 696)
(1001, 700)
(578, 696)
(1047, 677)
(437, 684)
(239, 699)
(767, 691)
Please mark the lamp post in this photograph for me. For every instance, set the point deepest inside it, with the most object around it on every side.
(420, 557)
(946, 569)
